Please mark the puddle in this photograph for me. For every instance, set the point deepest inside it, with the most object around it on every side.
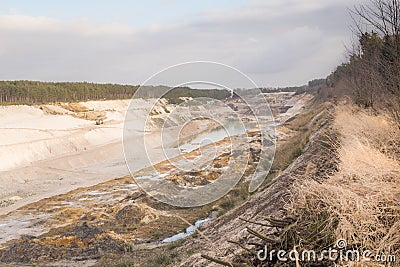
(152, 177)
(144, 177)
(11, 228)
(86, 199)
(213, 136)
(68, 203)
(188, 232)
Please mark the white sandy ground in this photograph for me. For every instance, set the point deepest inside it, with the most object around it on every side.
(46, 151)
(44, 154)
(297, 103)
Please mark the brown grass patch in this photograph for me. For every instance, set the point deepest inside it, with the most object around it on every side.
(300, 129)
(359, 203)
(81, 111)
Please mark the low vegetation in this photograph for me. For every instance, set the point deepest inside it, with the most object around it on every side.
(358, 203)
(298, 131)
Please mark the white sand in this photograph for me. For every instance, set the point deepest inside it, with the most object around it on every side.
(43, 154)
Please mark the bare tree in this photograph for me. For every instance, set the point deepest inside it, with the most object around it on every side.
(375, 63)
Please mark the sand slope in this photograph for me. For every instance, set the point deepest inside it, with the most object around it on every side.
(47, 150)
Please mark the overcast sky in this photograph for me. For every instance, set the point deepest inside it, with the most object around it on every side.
(275, 42)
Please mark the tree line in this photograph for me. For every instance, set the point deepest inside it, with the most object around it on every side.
(35, 92)
(372, 73)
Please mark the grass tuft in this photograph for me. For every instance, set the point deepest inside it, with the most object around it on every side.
(360, 202)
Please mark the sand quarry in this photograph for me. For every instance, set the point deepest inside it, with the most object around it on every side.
(52, 149)
(59, 166)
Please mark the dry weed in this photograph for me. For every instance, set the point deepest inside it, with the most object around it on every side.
(361, 202)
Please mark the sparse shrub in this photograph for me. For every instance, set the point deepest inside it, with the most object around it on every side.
(227, 203)
(176, 244)
(125, 263)
(297, 152)
(160, 260)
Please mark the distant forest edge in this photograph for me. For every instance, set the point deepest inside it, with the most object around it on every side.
(35, 92)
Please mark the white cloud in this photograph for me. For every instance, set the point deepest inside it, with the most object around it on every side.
(22, 23)
(275, 42)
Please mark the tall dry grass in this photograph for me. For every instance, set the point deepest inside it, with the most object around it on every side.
(361, 202)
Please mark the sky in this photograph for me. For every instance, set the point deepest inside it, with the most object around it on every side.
(274, 42)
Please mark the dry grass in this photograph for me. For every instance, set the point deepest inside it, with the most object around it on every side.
(82, 112)
(298, 130)
(361, 202)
